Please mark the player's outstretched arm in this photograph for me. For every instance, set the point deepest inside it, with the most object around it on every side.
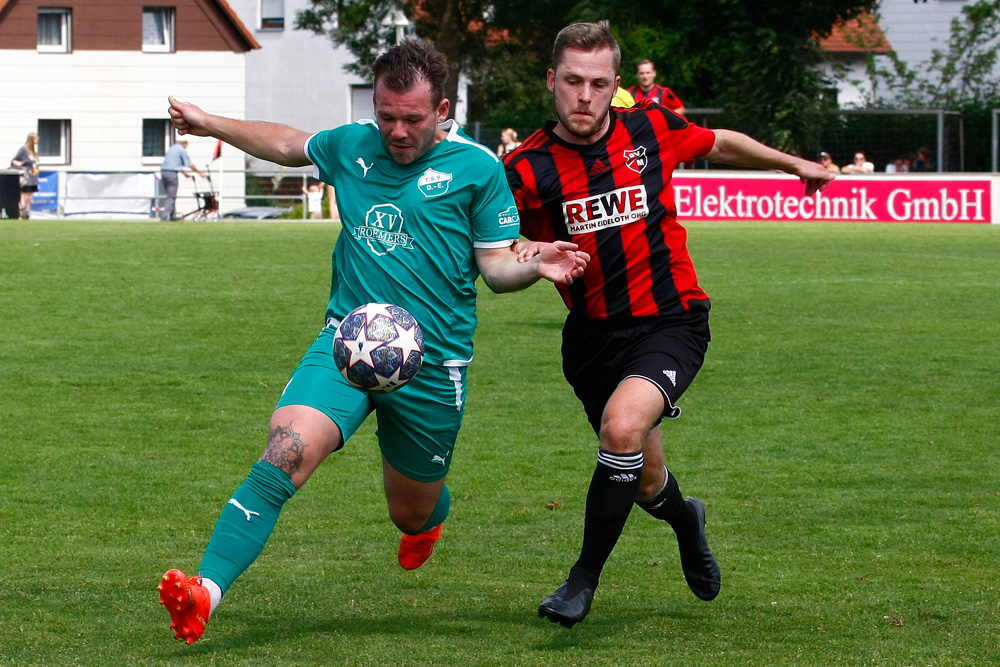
(560, 262)
(281, 144)
(740, 150)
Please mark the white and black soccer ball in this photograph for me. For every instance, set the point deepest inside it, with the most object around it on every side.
(378, 347)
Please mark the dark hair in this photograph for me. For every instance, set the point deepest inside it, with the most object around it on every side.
(586, 37)
(410, 62)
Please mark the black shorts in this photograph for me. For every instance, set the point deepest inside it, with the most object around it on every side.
(667, 351)
(29, 188)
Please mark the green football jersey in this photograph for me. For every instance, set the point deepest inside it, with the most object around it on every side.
(409, 229)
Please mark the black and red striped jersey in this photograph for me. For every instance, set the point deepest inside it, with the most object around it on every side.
(659, 94)
(614, 200)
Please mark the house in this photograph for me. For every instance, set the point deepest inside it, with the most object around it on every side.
(297, 77)
(92, 78)
(846, 51)
(917, 27)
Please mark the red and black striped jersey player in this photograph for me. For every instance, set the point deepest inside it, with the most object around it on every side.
(637, 330)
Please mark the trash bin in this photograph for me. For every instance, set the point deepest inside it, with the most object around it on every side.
(10, 193)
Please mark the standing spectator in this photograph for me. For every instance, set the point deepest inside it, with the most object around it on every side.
(637, 331)
(648, 89)
(924, 161)
(314, 200)
(826, 160)
(176, 161)
(508, 141)
(27, 161)
(860, 165)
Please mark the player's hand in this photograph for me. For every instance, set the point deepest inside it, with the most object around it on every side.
(561, 261)
(187, 118)
(815, 177)
(527, 249)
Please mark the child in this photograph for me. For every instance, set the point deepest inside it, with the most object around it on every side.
(314, 200)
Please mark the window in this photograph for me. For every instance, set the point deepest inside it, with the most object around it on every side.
(272, 14)
(158, 29)
(54, 30)
(156, 134)
(54, 141)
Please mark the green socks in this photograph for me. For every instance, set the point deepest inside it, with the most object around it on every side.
(245, 524)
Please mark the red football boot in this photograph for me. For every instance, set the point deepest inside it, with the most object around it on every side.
(188, 602)
(414, 550)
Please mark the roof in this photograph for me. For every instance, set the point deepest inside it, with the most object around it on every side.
(857, 36)
(222, 6)
(228, 11)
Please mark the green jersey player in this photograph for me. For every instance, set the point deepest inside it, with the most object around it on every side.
(425, 211)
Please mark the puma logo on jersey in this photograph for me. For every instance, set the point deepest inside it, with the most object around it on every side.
(438, 459)
(364, 166)
(233, 501)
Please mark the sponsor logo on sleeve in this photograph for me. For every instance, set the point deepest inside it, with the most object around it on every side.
(509, 217)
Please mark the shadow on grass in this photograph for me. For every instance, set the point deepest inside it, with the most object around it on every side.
(247, 631)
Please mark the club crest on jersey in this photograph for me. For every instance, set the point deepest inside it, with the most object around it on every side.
(433, 183)
(383, 230)
(636, 160)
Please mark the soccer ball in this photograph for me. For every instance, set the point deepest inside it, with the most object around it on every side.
(378, 347)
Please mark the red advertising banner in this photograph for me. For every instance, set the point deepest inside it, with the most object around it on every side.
(713, 195)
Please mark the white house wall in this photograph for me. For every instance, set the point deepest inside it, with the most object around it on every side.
(916, 28)
(297, 77)
(107, 94)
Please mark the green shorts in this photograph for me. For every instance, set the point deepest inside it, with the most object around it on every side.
(417, 424)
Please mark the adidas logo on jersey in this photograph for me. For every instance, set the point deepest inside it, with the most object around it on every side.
(672, 376)
(597, 168)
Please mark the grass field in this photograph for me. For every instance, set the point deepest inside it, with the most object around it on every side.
(843, 435)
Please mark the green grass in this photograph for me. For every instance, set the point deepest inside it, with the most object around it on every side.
(842, 434)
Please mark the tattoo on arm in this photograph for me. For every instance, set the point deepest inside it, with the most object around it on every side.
(284, 449)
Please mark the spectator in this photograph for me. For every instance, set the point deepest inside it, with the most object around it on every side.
(648, 89)
(827, 161)
(897, 166)
(924, 161)
(27, 161)
(861, 165)
(314, 200)
(508, 141)
(176, 161)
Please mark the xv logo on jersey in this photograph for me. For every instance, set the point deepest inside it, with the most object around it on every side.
(383, 230)
(636, 160)
(434, 183)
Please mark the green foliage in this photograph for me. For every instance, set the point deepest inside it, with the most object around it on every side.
(842, 435)
(756, 59)
(962, 77)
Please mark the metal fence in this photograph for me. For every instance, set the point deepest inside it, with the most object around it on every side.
(884, 136)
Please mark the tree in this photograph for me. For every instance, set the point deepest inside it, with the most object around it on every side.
(366, 27)
(755, 58)
(962, 76)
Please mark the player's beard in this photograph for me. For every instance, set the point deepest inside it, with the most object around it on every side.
(585, 127)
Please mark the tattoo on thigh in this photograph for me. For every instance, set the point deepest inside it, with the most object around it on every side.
(284, 449)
